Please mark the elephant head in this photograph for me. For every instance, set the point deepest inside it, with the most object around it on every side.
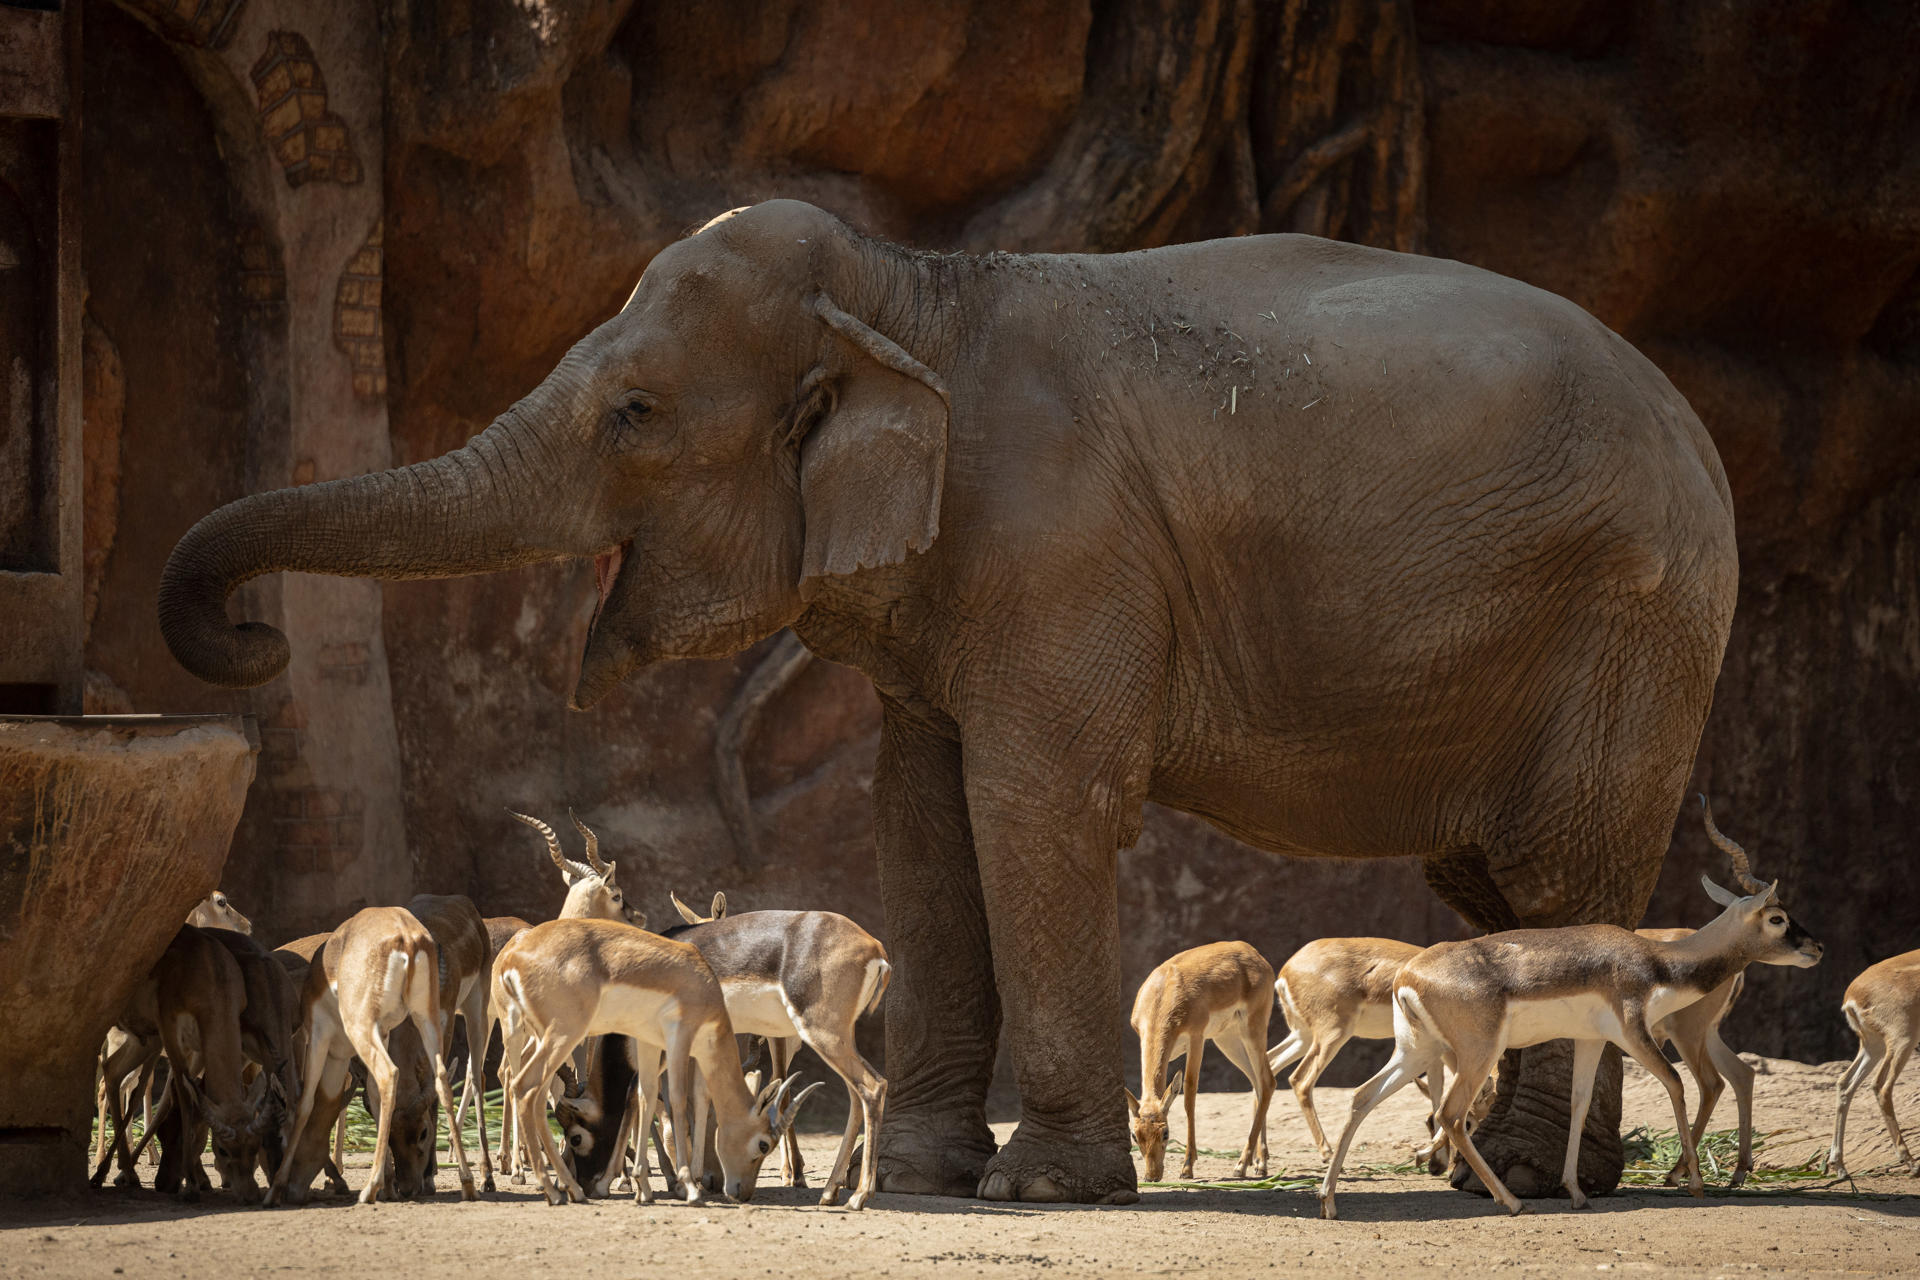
(741, 432)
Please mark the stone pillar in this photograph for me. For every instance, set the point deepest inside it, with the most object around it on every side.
(41, 593)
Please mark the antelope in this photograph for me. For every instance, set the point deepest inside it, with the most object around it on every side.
(200, 992)
(801, 977)
(1218, 992)
(591, 891)
(465, 973)
(507, 1158)
(1462, 1004)
(296, 958)
(560, 982)
(212, 912)
(1882, 1006)
(215, 912)
(379, 969)
(1340, 989)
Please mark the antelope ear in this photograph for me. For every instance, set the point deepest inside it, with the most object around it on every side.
(718, 911)
(687, 913)
(1725, 897)
(1173, 1089)
(1133, 1103)
(872, 422)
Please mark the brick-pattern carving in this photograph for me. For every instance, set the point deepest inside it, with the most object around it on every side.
(204, 24)
(311, 143)
(345, 663)
(262, 278)
(356, 319)
(316, 829)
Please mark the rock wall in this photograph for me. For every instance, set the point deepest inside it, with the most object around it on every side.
(1736, 188)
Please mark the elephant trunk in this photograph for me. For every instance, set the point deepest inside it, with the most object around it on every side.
(464, 512)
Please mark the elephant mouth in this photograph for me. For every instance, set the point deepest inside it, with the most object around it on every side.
(607, 656)
(606, 571)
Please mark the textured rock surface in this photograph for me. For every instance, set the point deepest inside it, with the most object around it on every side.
(110, 832)
(1736, 188)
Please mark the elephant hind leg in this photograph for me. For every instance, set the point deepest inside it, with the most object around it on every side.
(1550, 863)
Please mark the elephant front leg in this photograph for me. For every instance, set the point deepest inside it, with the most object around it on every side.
(1048, 868)
(942, 1009)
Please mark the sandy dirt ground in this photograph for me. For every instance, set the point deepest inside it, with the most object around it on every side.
(1391, 1224)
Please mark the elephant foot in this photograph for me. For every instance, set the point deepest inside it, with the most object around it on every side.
(1524, 1137)
(934, 1153)
(1053, 1170)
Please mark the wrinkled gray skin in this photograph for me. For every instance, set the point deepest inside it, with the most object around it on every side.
(1449, 574)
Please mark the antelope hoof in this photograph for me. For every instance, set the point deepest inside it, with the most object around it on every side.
(468, 1193)
(1327, 1210)
(1575, 1198)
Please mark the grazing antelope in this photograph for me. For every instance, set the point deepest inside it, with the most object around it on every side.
(465, 976)
(200, 992)
(565, 980)
(507, 1158)
(377, 970)
(296, 958)
(1219, 992)
(1883, 1008)
(591, 891)
(1463, 1004)
(267, 1025)
(212, 912)
(802, 977)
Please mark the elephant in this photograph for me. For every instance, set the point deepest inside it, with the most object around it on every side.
(1348, 552)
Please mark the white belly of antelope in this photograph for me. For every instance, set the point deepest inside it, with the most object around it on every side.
(757, 1007)
(1580, 1016)
(636, 1012)
(1219, 1024)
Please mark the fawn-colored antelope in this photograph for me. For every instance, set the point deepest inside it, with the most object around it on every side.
(1882, 1006)
(465, 973)
(215, 912)
(1338, 989)
(560, 982)
(1221, 992)
(378, 969)
(592, 893)
(1463, 1004)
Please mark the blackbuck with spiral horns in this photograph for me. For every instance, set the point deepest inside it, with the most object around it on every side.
(560, 982)
(1462, 1004)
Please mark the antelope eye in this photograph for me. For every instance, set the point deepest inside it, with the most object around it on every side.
(1776, 921)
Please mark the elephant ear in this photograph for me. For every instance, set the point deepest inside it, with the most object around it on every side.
(873, 458)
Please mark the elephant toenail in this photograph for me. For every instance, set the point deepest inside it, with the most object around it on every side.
(996, 1186)
(1042, 1190)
